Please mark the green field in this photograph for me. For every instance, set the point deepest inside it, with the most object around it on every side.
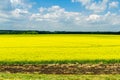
(59, 48)
(18, 76)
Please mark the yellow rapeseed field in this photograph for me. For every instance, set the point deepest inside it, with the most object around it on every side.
(59, 47)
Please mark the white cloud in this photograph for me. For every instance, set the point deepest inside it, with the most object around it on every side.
(49, 14)
(4, 17)
(93, 17)
(96, 7)
(56, 16)
(19, 12)
(113, 18)
(42, 9)
(20, 4)
(14, 2)
(84, 2)
(113, 4)
(55, 13)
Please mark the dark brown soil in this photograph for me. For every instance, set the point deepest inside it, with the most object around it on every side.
(63, 69)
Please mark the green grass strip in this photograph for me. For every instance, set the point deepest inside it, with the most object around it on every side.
(18, 76)
(112, 61)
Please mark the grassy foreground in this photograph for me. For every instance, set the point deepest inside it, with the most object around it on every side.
(7, 76)
(59, 48)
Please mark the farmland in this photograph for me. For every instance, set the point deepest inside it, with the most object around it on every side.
(18, 76)
(59, 48)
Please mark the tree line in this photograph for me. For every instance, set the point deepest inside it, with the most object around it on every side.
(54, 32)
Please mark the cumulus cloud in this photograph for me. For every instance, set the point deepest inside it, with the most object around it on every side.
(49, 14)
(16, 2)
(19, 12)
(84, 2)
(56, 16)
(20, 4)
(96, 7)
(93, 17)
(13, 14)
(113, 18)
(4, 17)
(113, 4)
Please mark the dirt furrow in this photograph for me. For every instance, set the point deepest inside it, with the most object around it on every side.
(63, 69)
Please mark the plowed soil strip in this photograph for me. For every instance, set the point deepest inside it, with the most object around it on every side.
(63, 69)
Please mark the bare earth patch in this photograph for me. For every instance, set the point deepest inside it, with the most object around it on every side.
(63, 69)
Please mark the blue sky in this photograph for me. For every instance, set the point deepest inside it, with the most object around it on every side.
(60, 15)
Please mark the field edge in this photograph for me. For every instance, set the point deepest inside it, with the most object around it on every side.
(102, 61)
